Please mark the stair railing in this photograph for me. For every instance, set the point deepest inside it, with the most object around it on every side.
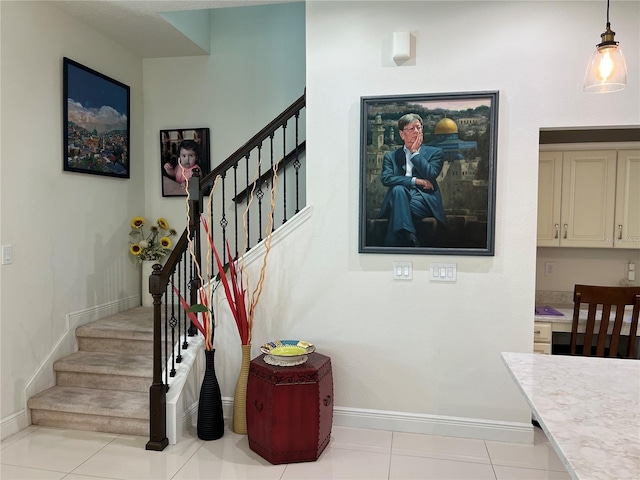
(238, 217)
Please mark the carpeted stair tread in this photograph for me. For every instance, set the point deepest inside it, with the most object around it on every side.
(91, 423)
(108, 403)
(122, 364)
(104, 386)
(134, 324)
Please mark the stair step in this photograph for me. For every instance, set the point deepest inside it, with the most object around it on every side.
(103, 387)
(124, 332)
(108, 371)
(92, 409)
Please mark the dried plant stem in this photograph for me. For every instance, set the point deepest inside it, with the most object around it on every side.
(205, 300)
(257, 292)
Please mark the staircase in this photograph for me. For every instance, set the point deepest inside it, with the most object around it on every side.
(104, 386)
(115, 382)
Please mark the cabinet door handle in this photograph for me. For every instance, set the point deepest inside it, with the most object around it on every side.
(566, 227)
(619, 232)
(557, 230)
(537, 332)
(327, 401)
(258, 407)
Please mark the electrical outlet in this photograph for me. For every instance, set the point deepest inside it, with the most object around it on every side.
(549, 269)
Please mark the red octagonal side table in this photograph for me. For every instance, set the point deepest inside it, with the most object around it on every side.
(290, 409)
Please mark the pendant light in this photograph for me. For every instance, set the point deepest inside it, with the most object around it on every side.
(607, 70)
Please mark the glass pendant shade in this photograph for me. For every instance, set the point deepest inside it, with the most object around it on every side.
(607, 70)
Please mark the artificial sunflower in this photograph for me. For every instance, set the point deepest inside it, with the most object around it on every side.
(150, 243)
(137, 222)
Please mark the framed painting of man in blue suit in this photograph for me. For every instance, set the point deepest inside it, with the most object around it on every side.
(427, 173)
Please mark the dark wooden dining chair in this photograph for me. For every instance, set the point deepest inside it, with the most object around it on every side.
(605, 298)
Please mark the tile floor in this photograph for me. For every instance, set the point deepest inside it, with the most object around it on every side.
(47, 453)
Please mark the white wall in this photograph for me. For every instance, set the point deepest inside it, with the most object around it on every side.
(587, 266)
(69, 231)
(424, 347)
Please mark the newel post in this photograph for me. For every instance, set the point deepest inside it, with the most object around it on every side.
(158, 391)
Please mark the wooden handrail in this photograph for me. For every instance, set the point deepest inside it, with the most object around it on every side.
(255, 141)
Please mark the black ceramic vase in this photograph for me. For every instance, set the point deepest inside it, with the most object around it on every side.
(210, 415)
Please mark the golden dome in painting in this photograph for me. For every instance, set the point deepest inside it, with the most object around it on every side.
(445, 126)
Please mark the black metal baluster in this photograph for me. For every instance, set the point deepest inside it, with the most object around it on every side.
(212, 260)
(235, 193)
(223, 220)
(187, 333)
(247, 188)
(284, 172)
(175, 323)
(172, 323)
(166, 352)
(272, 167)
(259, 193)
(296, 162)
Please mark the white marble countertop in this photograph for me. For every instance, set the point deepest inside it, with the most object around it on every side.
(589, 407)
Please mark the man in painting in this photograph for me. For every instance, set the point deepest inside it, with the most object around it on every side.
(410, 174)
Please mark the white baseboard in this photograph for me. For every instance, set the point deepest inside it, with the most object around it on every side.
(481, 429)
(13, 424)
(92, 314)
(491, 430)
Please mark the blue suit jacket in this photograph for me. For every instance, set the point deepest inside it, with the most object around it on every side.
(427, 165)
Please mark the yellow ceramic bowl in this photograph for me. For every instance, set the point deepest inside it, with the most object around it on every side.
(288, 351)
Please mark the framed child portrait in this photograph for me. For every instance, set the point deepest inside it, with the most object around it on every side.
(428, 173)
(181, 151)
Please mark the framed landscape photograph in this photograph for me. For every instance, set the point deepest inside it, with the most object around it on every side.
(96, 122)
(181, 150)
(428, 173)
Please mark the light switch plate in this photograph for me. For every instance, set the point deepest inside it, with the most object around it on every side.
(7, 254)
(402, 271)
(443, 272)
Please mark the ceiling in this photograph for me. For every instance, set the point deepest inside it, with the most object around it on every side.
(138, 26)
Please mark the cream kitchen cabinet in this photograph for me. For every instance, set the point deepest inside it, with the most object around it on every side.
(627, 217)
(583, 202)
(542, 332)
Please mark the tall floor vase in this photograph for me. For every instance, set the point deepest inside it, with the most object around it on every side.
(240, 397)
(210, 414)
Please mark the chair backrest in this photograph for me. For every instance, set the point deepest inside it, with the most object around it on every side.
(604, 298)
